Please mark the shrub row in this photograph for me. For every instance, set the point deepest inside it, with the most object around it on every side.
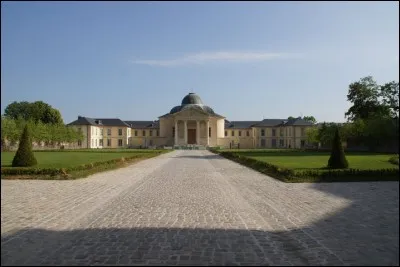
(394, 160)
(289, 175)
(64, 171)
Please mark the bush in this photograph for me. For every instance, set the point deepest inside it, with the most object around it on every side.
(337, 159)
(394, 160)
(24, 156)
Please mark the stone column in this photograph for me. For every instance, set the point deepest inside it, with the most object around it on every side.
(208, 138)
(185, 133)
(176, 133)
(198, 132)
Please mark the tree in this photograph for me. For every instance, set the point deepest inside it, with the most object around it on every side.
(312, 135)
(371, 100)
(389, 93)
(24, 156)
(291, 118)
(36, 111)
(310, 119)
(337, 159)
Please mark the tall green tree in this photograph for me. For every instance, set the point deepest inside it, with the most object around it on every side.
(389, 93)
(312, 135)
(368, 99)
(36, 111)
(310, 119)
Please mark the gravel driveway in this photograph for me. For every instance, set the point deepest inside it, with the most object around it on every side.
(196, 208)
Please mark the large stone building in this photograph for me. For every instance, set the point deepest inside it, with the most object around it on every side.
(192, 123)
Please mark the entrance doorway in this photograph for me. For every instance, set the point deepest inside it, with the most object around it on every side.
(191, 136)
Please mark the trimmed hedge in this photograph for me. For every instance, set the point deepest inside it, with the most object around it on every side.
(65, 171)
(24, 156)
(337, 159)
(290, 175)
(394, 160)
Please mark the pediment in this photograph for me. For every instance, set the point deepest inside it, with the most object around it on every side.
(191, 114)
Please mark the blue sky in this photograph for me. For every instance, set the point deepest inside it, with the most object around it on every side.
(247, 60)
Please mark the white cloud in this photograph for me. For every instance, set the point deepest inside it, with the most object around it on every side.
(209, 57)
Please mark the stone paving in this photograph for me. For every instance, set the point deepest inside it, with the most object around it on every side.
(196, 208)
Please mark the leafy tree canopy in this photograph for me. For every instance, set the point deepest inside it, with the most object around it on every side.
(371, 100)
(35, 111)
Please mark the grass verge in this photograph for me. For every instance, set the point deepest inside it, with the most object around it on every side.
(76, 171)
(311, 174)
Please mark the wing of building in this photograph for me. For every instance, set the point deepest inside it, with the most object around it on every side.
(192, 123)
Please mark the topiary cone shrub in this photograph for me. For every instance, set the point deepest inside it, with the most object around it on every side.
(24, 156)
(337, 159)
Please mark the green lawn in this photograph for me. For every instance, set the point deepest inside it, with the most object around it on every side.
(67, 159)
(319, 160)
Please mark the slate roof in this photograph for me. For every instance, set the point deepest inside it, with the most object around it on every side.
(83, 121)
(283, 122)
(143, 124)
(239, 124)
(298, 122)
(98, 121)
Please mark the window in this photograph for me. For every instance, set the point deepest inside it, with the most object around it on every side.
(119, 131)
(96, 131)
(226, 133)
(173, 131)
(151, 133)
(273, 132)
(240, 133)
(273, 143)
(144, 133)
(281, 143)
(92, 143)
(79, 143)
(101, 132)
(290, 131)
(108, 142)
(302, 131)
(119, 142)
(108, 131)
(233, 133)
(247, 133)
(135, 133)
(302, 143)
(209, 131)
(100, 142)
(262, 142)
(158, 132)
(96, 142)
(281, 131)
(262, 132)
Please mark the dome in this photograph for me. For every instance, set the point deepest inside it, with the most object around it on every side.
(193, 99)
(192, 102)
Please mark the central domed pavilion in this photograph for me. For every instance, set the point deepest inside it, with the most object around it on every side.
(192, 122)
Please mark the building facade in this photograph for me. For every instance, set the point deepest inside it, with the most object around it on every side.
(192, 123)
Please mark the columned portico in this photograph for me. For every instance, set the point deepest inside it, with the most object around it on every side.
(176, 132)
(185, 131)
(198, 132)
(207, 133)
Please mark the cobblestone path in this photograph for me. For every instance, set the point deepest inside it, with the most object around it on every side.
(196, 208)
